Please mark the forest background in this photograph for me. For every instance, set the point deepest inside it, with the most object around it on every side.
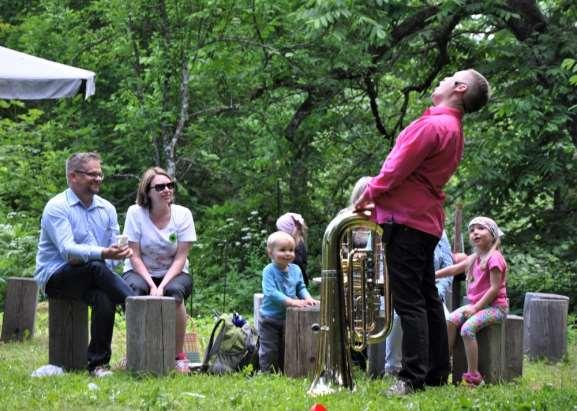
(260, 107)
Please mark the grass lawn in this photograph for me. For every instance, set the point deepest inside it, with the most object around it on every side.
(543, 386)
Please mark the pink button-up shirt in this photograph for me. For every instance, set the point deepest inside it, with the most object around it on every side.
(409, 187)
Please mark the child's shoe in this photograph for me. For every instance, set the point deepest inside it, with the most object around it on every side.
(472, 379)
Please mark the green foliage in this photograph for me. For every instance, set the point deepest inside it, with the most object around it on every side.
(539, 270)
(18, 242)
(228, 259)
(289, 103)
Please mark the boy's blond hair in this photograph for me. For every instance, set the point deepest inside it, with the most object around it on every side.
(276, 238)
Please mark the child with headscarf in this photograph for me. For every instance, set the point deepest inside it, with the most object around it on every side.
(294, 224)
(486, 290)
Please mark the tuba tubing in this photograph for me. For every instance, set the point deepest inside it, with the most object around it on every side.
(337, 334)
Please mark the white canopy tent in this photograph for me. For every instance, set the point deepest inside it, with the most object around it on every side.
(25, 77)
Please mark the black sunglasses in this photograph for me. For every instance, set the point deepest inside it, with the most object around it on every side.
(161, 187)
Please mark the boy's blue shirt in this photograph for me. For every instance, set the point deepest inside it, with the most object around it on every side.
(277, 286)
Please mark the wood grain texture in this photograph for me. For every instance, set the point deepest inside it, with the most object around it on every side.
(67, 333)
(301, 343)
(545, 328)
(150, 335)
(19, 309)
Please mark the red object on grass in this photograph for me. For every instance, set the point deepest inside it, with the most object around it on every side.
(318, 407)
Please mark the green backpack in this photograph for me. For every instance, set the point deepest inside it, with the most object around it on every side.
(231, 347)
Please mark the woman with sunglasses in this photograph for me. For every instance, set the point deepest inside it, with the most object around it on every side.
(160, 234)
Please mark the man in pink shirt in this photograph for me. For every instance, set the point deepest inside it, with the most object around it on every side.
(408, 198)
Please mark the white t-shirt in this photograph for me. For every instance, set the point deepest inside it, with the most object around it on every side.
(158, 246)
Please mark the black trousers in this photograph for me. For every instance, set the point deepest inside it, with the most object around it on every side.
(416, 301)
(102, 290)
(180, 287)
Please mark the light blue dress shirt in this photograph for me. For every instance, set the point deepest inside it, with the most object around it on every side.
(277, 285)
(69, 230)
(443, 258)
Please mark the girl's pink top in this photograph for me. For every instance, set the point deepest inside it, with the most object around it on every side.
(482, 280)
(409, 187)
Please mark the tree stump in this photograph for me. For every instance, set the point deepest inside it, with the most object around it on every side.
(491, 354)
(19, 309)
(301, 342)
(376, 354)
(68, 333)
(256, 303)
(513, 347)
(545, 330)
(150, 335)
(456, 294)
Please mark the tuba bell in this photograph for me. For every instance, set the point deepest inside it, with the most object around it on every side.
(353, 280)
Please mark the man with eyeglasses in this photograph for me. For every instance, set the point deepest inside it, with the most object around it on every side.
(77, 250)
(407, 201)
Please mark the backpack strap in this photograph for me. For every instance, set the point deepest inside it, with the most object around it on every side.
(211, 349)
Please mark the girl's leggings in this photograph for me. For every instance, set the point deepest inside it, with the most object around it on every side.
(472, 325)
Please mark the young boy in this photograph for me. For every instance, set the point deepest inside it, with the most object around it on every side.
(282, 286)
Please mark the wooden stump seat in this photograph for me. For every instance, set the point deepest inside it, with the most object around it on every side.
(513, 347)
(545, 329)
(19, 309)
(150, 335)
(67, 333)
(491, 354)
(301, 342)
(256, 303)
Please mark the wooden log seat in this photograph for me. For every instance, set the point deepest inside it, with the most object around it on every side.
(150, 335)
(491, 354)
(67, 333)
(256, 303)
(301, 342)
(545, 328)
(19, 309)
(513, 347)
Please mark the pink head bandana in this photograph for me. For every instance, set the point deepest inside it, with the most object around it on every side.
(489, 224)
(288, 222)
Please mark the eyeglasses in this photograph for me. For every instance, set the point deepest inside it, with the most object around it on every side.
(93, 174)
(161, 187)
(461, 82)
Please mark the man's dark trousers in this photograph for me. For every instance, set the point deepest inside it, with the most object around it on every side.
(101, 289)
(416, 300)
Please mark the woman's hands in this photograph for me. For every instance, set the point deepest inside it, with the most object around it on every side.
(156, 291)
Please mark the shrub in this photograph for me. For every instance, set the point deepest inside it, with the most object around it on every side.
(540, 271)
(18, 249)
(228, 259)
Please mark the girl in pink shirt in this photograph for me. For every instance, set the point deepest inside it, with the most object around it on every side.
(486, 278)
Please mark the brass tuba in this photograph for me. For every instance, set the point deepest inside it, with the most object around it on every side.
(354, 277)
